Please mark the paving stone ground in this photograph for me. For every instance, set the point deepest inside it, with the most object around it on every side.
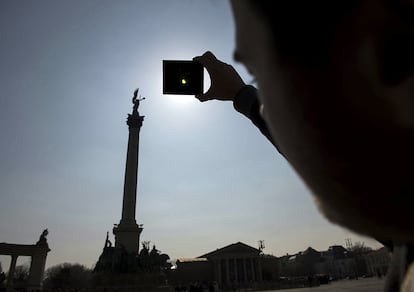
(360, 285)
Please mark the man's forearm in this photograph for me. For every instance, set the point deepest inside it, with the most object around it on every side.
(247, 103)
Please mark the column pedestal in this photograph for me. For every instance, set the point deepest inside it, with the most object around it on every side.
(127, 236)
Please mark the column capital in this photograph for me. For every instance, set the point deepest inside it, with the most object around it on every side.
(135, 121)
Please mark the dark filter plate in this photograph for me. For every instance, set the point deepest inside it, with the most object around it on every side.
(182, 77)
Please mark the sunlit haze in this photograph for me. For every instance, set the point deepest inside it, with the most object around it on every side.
(207, 177)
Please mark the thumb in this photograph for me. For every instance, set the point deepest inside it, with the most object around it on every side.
(202, 97)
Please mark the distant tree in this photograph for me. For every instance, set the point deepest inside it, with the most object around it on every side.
(21, 273)
(2, 277)
(68, 276)
(359, 248)
(357, 251)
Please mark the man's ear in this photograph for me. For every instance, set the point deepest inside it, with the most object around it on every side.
(395, 65)
(396, 56)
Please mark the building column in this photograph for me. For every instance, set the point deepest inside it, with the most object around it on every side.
(236, 276)
(37, 268)
(259, 269)
(218, 265)
(253, 270)
(11, 272)
(245, 270)
(228, 271)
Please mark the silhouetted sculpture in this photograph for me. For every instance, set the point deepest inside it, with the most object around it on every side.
(108, 243)
(135, 101)
(43, 235)
(42, 239)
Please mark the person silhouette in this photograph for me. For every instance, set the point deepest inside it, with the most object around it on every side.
(336, 97)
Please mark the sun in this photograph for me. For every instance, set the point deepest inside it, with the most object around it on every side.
(189, 99)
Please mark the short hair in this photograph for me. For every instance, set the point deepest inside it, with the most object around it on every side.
(304, 29)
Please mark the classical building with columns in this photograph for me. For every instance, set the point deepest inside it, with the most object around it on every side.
(237, 265)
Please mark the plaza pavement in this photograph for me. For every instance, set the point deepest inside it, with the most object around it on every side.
(360, 285)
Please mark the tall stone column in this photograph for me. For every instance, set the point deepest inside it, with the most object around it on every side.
(127, 232)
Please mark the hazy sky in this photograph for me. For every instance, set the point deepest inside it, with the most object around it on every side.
(207, 177)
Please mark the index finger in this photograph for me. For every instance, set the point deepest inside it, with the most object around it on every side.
(207, 59)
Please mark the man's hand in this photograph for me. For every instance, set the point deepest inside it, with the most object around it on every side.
(225, 81)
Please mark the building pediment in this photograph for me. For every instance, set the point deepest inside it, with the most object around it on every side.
(238, 249)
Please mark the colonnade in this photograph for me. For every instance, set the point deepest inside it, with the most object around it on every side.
(237, 270)
(37, 252)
